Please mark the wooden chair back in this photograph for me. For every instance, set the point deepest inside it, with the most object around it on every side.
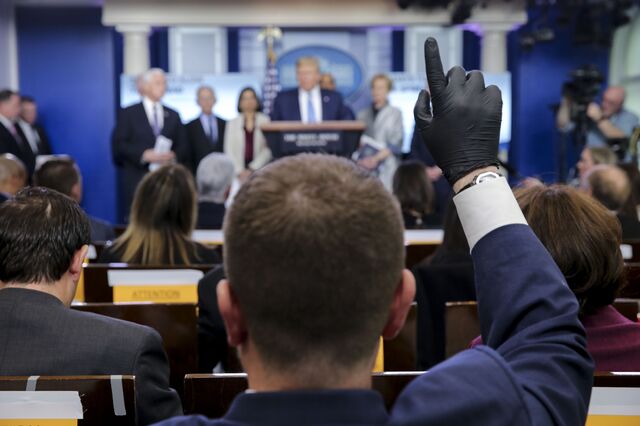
(106, 400)
(176, 324)
(462, 325)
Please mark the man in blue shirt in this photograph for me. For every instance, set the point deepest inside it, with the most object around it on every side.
(608, 121)
(314, 256)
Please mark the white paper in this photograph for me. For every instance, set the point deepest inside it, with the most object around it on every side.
(615, 401)
(154, 277)
(627, 251)
(162, 146)
(208, 236)
(40, 405)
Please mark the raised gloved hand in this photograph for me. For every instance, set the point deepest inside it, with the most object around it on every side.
(463, 131)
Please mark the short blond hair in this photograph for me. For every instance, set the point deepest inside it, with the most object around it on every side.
(308, 60)
(383, 77)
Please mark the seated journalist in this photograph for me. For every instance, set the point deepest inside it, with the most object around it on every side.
(43, 242)
(311, 288)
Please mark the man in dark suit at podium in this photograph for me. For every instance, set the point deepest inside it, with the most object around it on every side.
(309, 103)
(205, 133)
(136, 144)
(12, 139)
(34, 132)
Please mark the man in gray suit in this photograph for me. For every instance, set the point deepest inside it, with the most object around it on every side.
(43, 242)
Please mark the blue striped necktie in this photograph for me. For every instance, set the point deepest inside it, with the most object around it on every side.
(311, 112)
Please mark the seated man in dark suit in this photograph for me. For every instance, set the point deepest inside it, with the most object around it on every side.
(134, 141)
(314, 255)
(12, 139)
(214, 178)
(13, 176)
(43, 242)
(309, 103)
(610, 185)
(63, 175)
(205, 134)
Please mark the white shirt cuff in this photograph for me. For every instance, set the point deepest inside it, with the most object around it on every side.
(485, 207)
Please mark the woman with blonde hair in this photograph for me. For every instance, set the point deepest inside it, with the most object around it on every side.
(163, 216)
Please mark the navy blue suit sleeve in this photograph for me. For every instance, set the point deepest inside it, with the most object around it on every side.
(535, 369)
(276, 109)
(530, 316)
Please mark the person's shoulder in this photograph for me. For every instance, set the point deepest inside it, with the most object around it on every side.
(197, 420)
(206, 255)
(330, 94)
(132, 108)
(629, 114)
(288, 93)
(193, 122)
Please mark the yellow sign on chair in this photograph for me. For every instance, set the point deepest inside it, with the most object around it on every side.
(611, 406)
(155, 285)
(378, 367)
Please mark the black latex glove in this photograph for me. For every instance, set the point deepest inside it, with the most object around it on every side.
(463, 132)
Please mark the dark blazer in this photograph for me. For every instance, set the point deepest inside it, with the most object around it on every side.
(44, 147)
(210, 215)
(534, 369)
(630, 227)
(101, 230)
(199, 144)
(40, 336)
(212, 336)
(286, 107)
(21, 149)
(447, 279)
(3, 197)
(131, 137)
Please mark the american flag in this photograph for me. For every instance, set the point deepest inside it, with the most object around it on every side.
(271, 85)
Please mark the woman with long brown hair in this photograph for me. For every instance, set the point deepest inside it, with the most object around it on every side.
(163, 216)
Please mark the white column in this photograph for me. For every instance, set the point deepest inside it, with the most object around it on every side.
(8, 46)
(136, 48)
(494, 49)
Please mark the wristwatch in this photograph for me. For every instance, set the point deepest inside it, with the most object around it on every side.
(482, 177)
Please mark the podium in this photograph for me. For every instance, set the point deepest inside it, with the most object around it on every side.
(330, 137)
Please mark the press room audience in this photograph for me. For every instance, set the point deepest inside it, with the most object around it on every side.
(214, 178)
(163, 216)
(13, 176)
(414, 191)
(592, 156)
(383, 131)
(63, 175)
(584, 240)
(135, 144)
(205, 133)
(311, 288)
(611, 187)
(43, 243)
(244, 142)
(33, 131)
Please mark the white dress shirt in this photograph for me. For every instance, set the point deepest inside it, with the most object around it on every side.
(316, 100)
(485, 207)
(30, 133)
(148, 108)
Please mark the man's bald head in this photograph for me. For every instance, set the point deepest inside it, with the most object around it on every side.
(609, 185)
(612, 100)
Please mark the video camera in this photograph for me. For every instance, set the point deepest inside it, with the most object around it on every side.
(581, 90)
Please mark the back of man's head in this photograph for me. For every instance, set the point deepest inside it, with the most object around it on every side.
(314, 251)
(609, 185)
(40, 231)
(13, 174)
(214, 177)
(61, 174)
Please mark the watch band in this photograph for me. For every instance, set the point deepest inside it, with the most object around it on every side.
(479, 178)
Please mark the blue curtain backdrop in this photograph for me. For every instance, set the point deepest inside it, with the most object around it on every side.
(66, 62)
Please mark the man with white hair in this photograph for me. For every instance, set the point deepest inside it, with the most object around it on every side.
(13, 176)
(214, 178)
(147, 134)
